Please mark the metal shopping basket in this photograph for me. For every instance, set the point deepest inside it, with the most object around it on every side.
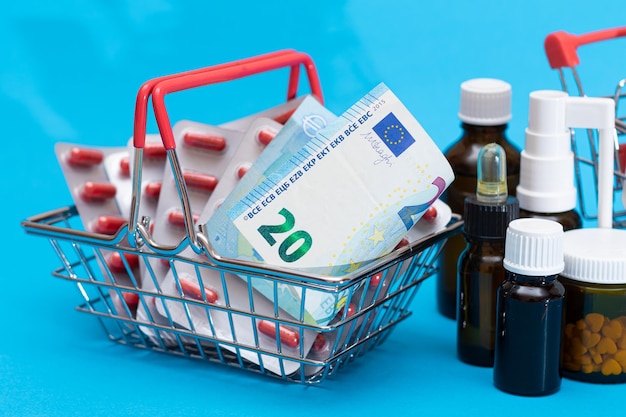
(561, 50)
(377, 296)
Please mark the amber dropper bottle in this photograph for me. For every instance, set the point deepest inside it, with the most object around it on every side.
(481, 271)
(484, 111)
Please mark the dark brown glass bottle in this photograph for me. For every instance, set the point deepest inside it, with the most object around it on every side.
(530, 310)
(528, 344)
(481, 271)
(484, 111)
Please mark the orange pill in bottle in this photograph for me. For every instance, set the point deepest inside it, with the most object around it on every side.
(594, 329)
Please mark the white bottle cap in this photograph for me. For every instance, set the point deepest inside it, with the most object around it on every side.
(534, 247)
(595, 255)
(485, 102)
(547, 161)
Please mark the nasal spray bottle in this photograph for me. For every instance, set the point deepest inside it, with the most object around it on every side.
(546, 189)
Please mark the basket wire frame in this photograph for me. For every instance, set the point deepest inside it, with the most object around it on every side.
(379, 299)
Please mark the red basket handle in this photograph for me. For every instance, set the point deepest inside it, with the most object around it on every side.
(561, 47)
(159, 87)
(145, 91)
(240, 69)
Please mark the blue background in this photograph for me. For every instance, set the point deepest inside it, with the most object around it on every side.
(69, 71)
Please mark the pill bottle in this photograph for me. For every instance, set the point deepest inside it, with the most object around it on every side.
(546, 188)
(486, 215)
(485, 110)
(530, 309)
(594, 332)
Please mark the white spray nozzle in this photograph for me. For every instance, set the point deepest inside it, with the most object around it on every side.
(598, 113)
(547, 164)
(547, 161)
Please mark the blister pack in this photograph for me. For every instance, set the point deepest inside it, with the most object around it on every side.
(259, 134)
(94, 194)
(119, 168)
(213, 286)
(203, 152)
(199, 147)
(223, 321)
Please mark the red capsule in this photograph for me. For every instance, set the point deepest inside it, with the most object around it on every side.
(430, 215)
(125, 167)
(282, 118)
(205, 141)
(404, 242)
(116, 264)
(241, 171)
(376, 279)
(177, 218)
(350, 312)
(288, 337)
(83, 157)
(109, 225)
(199, 181)
(97, 191)
(192, 290)
(319, 343)
(265, 136)
(152, 189)
(131, 299)
(154, 150)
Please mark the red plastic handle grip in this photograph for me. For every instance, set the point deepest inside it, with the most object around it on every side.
(561, 47)
(232, 68)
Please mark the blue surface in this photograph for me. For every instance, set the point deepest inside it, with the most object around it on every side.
(69, 71)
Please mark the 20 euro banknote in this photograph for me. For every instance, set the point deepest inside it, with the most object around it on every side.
(349, 194)
(342, 198)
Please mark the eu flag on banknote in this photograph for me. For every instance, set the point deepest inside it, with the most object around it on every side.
(393, 134)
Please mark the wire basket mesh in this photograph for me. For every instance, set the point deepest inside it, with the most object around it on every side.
(378, 299)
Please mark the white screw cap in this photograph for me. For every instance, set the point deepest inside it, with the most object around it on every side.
(595, 255)
(534, 247)
(485, 102)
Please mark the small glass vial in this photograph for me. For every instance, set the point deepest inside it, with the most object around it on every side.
(594, 332)
(486, 217)
(530, 309)
(484, 111)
